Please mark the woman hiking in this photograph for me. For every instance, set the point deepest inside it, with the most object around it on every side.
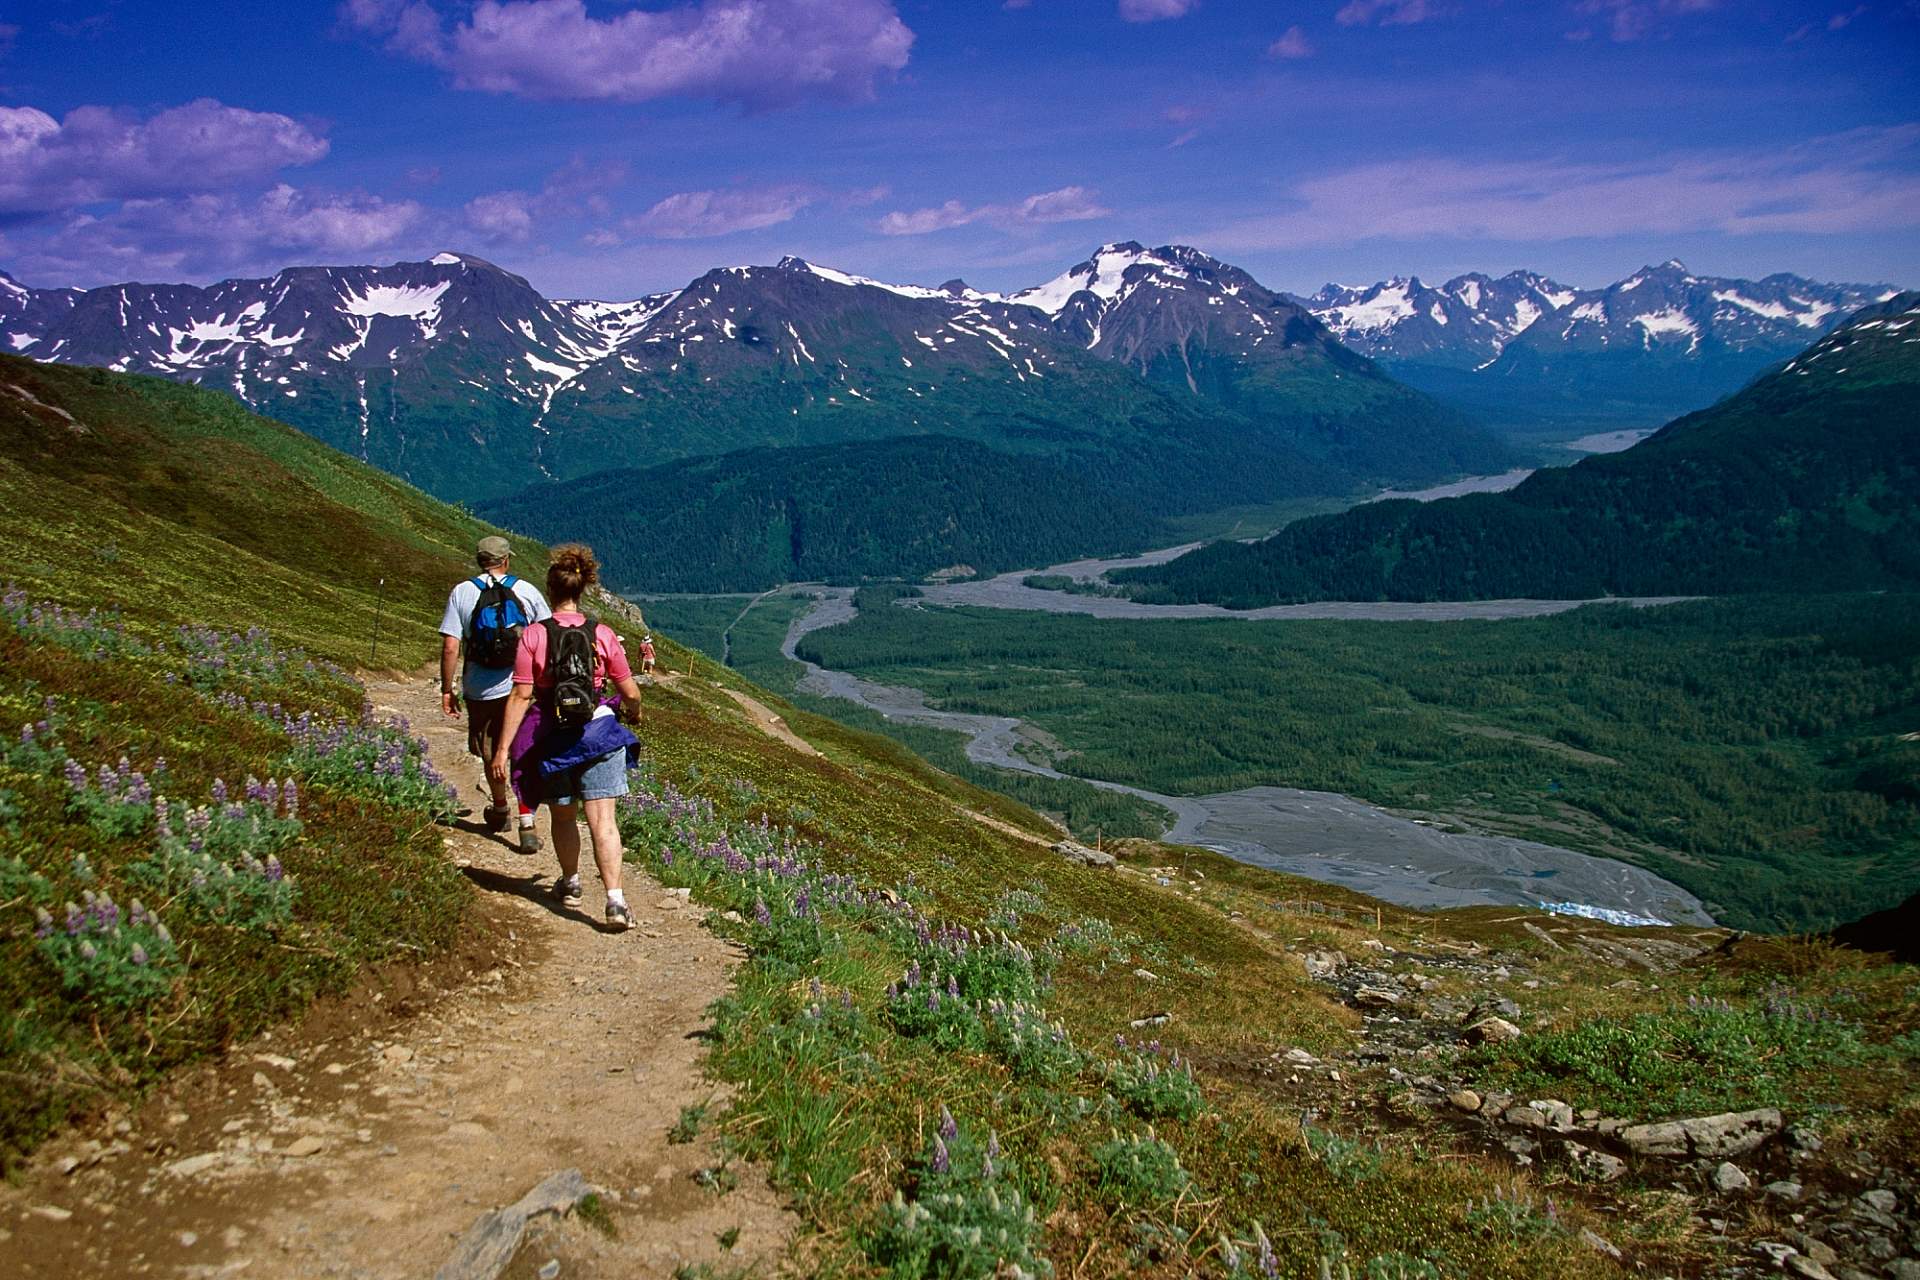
(560, 741)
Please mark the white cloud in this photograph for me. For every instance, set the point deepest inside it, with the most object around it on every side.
(1293, 43)
(1155, 10)
(1858, 181)
(1067, 204)
(757, 53)
(689, 215)
(1388, 13)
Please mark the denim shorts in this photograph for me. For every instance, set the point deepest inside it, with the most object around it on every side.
(602, 779)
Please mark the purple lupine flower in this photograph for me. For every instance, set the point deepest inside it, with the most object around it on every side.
(137, 954)
(949, 1127)
(76, 776)
(274, 871)
(941, 1160)
(218, 791)
(42, 923)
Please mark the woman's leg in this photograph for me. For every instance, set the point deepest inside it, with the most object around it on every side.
(606, 841)
(566, 838)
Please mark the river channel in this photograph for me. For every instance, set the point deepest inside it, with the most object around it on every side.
(1318, 834)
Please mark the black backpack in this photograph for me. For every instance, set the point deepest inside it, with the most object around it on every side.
(493, 633)
(570, 659)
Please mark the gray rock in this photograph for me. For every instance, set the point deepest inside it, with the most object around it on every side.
(1376, 998)
(1524, 1118)
(1668, 1138)
(1801, 1265)
(1729, 1177)
(1904, 1269)
(1599, 1244)
(1074, 851)
(1322, 965)
(1732, 1134)
(1783, 1190)
(549, 1269)
(1464, 1100)
(1819, 1250)
(489, 1244)
(1595, 1165)
(1492, 1031)
(1559, 1115)
(1775, 1252)
(1801, 1138)
(1880, 1198)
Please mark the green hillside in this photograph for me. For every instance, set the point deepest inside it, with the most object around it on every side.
(1808, 480)
(180, 505)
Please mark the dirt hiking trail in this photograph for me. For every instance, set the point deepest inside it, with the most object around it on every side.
(365, 1141)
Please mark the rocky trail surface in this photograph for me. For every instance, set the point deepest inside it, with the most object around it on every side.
(369, 1140)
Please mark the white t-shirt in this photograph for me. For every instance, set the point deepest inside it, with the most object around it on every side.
(487, 682)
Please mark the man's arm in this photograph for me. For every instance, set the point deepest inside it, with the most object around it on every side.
(449, 664)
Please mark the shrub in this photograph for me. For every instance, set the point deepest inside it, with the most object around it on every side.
(223, 863)
(1151, 1088)
(1138, 1169)
(117, 801)
(102, 954)
(966, 1218)
(381, 762)
(1346, 1159)
(93, 634)
(1701, 1056)
(1034, 1047)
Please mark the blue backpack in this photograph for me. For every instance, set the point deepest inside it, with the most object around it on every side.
(493, 633)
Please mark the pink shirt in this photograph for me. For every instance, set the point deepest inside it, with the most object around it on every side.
(609, 655)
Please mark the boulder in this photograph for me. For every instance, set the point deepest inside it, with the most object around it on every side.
(1524, 1118)
(1595, 1165)
(1074, 851)
(1464, 1100)
(1376, 998)
(1322, 965)
(1492, 1031)
(1732, 1134)
(1667, 1138)
(1728, 1177)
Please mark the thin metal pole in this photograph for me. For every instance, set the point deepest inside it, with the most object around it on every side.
(379, 611)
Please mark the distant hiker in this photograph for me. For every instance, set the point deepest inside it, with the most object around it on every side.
(646, 655)
(560, 738)
(485, 616)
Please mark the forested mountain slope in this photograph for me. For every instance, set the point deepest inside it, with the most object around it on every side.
(1808, 480)
(910, 506)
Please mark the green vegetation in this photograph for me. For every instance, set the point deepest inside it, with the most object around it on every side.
(1747, 749)
(1805, 481)
(1707, 1055)
(837, 513)
(698, 622)
(157, 901)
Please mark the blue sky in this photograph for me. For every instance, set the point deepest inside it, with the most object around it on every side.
(612, 149)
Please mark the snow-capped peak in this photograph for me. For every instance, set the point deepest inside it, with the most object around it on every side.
(792, 263)
(1103, 275)
(445, 260)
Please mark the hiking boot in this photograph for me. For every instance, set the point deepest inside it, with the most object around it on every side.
(529, 839)
(566, 891)
(496, 816)
(620, 917)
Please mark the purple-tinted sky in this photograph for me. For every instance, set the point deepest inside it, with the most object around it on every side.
(610, 149)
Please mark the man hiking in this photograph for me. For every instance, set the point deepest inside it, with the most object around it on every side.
(485, 616)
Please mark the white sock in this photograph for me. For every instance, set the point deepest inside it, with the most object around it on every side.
(616, 897)
(526, 820)
(572, 879)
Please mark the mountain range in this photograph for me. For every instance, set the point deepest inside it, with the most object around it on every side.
(1528, 353)
(461, 377)
(1806, 480)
